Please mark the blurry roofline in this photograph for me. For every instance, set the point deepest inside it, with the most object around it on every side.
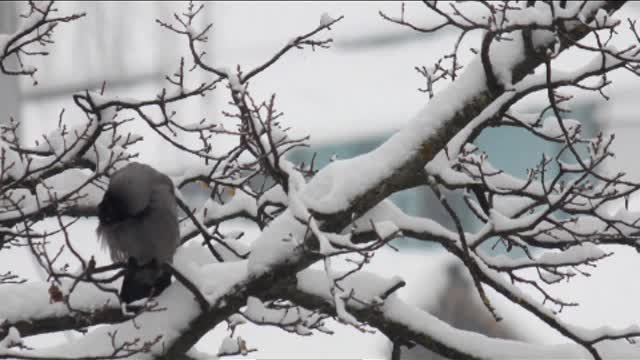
(38, 94)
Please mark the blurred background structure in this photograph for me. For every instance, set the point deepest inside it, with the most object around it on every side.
(348, 99)
(10, 95)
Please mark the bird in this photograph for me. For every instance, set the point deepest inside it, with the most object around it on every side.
(138, 223)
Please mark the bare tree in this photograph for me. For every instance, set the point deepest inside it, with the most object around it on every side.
(557, 215)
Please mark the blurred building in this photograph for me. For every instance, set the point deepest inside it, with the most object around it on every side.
(9, 89)
(117, 45)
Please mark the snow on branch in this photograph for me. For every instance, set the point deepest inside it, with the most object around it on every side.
(32, 36)
(397, 318)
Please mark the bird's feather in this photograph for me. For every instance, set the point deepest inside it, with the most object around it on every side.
(146, 229)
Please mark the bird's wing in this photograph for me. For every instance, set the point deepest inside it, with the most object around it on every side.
(155, 234)
(132, 185)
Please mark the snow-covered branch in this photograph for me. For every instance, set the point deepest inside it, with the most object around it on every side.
(31, 37)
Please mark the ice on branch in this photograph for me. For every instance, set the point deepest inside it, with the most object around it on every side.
(386, 229)
(234, 346)
(326, 19)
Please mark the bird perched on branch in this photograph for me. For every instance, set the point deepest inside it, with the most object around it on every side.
(139, 225)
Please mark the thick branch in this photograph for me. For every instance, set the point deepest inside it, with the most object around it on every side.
(407, 173)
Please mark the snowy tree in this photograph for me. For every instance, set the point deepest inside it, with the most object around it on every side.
(559, 216)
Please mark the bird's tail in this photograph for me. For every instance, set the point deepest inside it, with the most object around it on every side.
(143, 281)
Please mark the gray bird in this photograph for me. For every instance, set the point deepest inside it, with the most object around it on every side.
(139, 224)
